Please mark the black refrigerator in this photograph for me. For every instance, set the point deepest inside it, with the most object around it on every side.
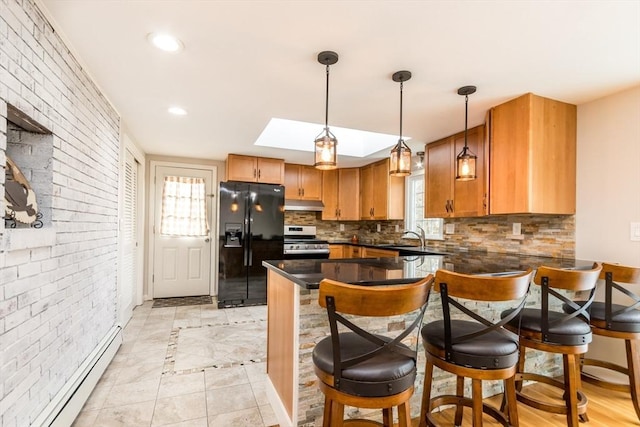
(251, 230)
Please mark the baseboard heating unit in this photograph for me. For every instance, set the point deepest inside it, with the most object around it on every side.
(66, 405)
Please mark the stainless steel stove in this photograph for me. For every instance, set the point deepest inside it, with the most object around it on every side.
(300, 242)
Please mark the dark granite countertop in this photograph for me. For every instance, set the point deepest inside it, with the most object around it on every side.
(405, 269)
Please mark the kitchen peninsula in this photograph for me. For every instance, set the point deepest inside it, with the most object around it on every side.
(296, 322)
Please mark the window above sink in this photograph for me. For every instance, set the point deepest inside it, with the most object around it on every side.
(414, 209)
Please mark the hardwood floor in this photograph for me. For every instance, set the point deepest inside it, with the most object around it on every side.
(606, 408)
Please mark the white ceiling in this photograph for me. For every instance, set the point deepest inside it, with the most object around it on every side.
(246, 62)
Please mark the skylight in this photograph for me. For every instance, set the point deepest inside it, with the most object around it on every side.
(295, 135)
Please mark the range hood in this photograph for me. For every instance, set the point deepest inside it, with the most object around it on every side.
(303, 205)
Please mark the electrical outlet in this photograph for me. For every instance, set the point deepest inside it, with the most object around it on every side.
(378, 228)
(341, 227)
(449, 228)
(397, 228)
(516, 229)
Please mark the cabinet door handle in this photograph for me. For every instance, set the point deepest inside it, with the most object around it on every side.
(259, 172)
(446, 206)
(303, 192)
(339, 213)
(452, 208)
(254, 173)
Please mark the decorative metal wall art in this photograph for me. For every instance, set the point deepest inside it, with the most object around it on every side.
(19, 197)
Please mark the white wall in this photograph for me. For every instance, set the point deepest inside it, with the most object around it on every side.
(608, 190)
(58, 283)
(608, 184)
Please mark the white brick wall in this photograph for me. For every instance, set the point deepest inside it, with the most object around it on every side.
(57, 289)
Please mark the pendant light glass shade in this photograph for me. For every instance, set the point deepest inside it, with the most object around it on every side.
(466, 160)
(326, 156)
(400, 158)
(325, 148)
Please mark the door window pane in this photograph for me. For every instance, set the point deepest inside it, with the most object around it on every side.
(184, 209)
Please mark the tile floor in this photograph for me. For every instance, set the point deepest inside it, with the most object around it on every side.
(193, 366)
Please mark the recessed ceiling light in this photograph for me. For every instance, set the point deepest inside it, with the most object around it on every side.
(165, 42)
(178, 111)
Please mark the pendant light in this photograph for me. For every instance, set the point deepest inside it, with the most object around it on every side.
(466, 160)
(326, 143)
(420, 162)
(400, 160)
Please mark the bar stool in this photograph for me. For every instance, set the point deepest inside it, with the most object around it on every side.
(618, 321)
(363, 369)
(479, 348)
(553, 331)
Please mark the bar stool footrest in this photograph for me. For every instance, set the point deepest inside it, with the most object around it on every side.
(594, 379)
(546, 406)
(361, 423)
(449, 399)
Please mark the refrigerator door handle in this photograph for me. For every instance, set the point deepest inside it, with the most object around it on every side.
(249, 249)
(247, 239)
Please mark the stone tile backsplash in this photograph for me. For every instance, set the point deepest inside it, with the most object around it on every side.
(543, 235)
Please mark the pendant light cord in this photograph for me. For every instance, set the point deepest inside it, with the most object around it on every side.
(326, 104)
(401, 85)
(466, 112)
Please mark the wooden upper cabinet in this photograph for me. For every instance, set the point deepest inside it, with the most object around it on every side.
(470, 197)
(340, 190)
(533, 157)
(439, 177)
(447, 197)
(255, 169)
(366, 192)
(381, 195)
(302, 182)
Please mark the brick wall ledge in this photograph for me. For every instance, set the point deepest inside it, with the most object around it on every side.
(18, 239)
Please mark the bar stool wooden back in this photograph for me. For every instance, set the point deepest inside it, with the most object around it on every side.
(473, 346)
(363, 369)
(618, 321)
(555, 331)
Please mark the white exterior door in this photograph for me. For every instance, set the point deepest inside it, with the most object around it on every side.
(181, 263)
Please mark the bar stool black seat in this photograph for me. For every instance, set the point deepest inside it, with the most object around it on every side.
(620, 321)
(473, 347)
(555, 331)
(363, 369)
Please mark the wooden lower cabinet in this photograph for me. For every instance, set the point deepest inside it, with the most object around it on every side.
(353, 251)
(367, 252)
(336, 251)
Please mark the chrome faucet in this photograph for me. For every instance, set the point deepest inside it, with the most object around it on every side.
(420, 236)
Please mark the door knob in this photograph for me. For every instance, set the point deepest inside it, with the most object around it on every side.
(206, 240)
